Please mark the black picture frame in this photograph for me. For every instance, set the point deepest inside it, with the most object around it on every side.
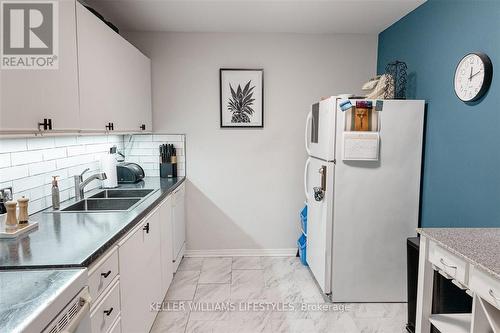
(223, 106)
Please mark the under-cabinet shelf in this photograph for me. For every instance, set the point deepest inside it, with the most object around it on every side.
(452, 323)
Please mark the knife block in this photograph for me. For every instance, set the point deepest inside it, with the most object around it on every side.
(167, 170)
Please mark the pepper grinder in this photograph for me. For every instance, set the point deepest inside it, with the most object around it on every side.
(11, 219)
(23, 210)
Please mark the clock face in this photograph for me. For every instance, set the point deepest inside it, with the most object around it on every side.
(472, 76)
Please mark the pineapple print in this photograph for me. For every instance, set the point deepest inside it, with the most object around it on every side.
(240, 103)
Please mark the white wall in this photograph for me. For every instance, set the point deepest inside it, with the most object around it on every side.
(245, 186)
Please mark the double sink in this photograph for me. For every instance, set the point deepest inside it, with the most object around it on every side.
(115, 200)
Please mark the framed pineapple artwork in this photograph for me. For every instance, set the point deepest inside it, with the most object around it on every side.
(241, 97)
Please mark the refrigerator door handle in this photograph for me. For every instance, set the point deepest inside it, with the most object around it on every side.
(322, 172)
(306, 168)
(306, 136)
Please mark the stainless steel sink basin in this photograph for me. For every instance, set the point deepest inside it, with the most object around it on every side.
(125, 193)
(102, 205)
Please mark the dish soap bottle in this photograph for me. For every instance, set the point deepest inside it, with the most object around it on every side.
(56, 202)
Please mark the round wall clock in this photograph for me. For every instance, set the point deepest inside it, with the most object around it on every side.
(473, 76)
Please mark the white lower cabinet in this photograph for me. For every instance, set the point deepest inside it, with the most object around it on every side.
(117, 327)
(482, 286)
(178, 225)
(102, 273)
(104, 314)
(167, 268)
(137, 273)
(140, 274)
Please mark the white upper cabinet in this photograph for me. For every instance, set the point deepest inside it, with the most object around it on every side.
(28, 96)
(115, 78)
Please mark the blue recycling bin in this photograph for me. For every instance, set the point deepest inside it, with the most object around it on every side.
(302, 244)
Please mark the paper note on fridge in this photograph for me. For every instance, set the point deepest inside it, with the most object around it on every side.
(361, 146)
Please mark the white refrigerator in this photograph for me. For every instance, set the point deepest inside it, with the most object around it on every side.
(362, 191)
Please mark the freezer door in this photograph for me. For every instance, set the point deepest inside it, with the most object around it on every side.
(320, 129)
(319, 188)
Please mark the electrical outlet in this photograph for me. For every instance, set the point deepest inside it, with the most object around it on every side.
(6, 194)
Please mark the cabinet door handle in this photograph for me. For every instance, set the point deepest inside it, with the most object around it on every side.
(146, 228)
(143, 127)
(447, 265)
(105, 275)
(47, 124)
(108, 312)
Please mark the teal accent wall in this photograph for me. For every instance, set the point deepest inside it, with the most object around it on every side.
(461, 184)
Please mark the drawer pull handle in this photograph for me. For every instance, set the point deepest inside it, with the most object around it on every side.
(492, 294)
(105, 275)
(146, 228)
(108, 312)
(449, 266)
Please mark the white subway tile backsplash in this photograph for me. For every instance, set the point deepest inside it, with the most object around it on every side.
(41, 167)
(92, 165)
(52, 154)
(168, 137)
(73, 161)
(37, 205)
(41, 143)
(150, 159)
(76, 150)
(38, 192)
(152, 166)
(63, 196)
(115, 139)
(67, 183)
(65, 141)
(95, 148)
(7, 146)
(143, 149)
(61, 174)
(27, 183)
(27, 165)
(146, 137)
(26, 157)
(5, 160)
(141, 152)
(142, 144)
(5, 184)
(14, 172)
(92, 139)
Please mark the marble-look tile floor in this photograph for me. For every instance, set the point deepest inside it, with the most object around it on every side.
(214, 294)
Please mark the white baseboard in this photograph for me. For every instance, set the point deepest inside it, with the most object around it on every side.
(291, 252)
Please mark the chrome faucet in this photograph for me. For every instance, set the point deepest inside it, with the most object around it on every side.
(80, 183)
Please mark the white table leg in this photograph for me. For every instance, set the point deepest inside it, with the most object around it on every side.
(425, 285)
